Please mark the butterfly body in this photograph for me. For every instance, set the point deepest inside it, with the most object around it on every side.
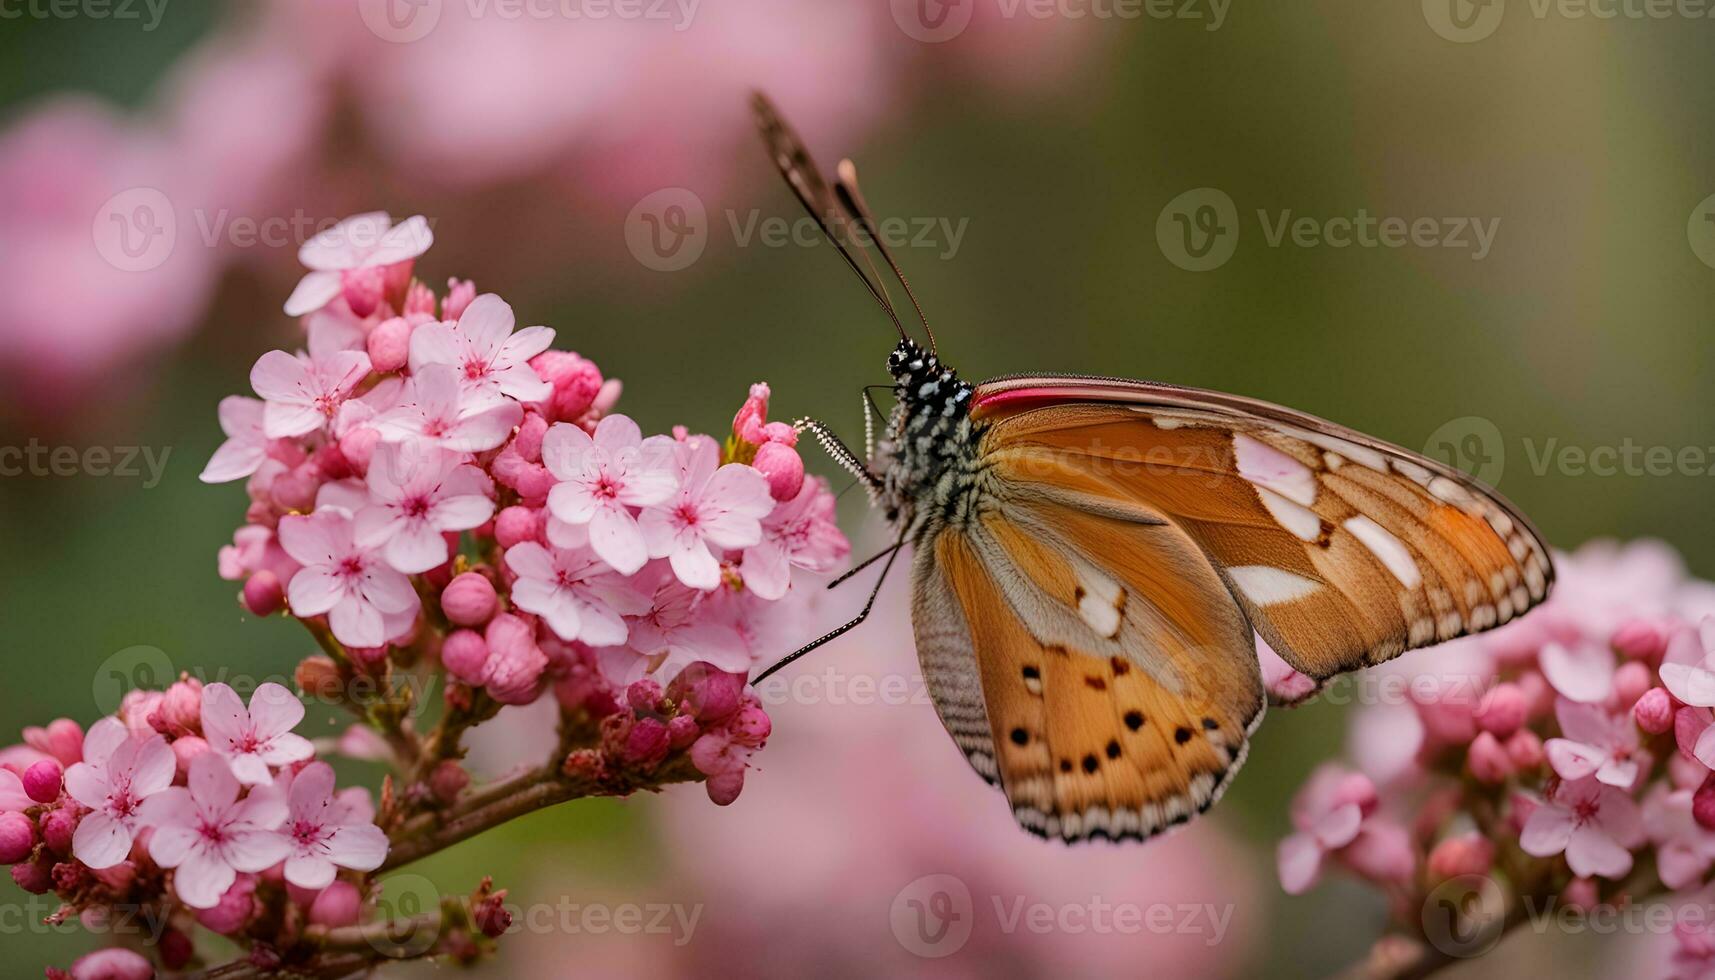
(1094, 560)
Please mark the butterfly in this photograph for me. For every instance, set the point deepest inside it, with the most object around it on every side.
(1093, 559)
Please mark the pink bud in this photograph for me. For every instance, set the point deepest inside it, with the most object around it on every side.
(516, 665)
(1630, 682)
(1462, 854)
(783, 467)
(644, 696)
(176, 949)
(448, 780)
(713, 694)
(339, 904)
(1641, 639)
(57, 829)
(747, 424)
(724, 787)
(1703, 803)
(358, 447)
(1539, 695)
(1581, 893)
(234, 909)
(682, 731)
(42, 781)
(112, 963)
(533, 483)
(296, 488)
(459, 294)
(1688, 726)
(465, 655)
(646, 743)
(751, 725)
(576, 383)
(1502, 710)
(1524, 748)
(528, 441)
(1488, 760)
(185, 749)
(62, 739)
(35, 877)
(364, 289)
(389, 345)
(1654, 711)
(515, 525)
(17, 837)
(419, 301)
(469, 600)
(491, 916)
(182, 706)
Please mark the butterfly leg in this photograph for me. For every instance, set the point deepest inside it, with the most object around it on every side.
(892, 553)
(838, 451)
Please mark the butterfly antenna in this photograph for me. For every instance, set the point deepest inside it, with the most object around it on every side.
(811, 188)
(846, 188)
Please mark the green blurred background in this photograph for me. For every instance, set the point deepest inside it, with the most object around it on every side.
(1588, 324)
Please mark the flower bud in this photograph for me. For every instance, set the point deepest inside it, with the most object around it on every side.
(185, 749)
(1654, 711)
(747, 424)
(1502, 710)
(712, 694)
(576, 383)
(528, 441)
(234, 909)
(318, 676)
(62, 739)
(516, 665)
(724, 787)
(57, 828)
(43, 780)
(647, 742)
(1641, 639)
(515, 525)
(459, 294)
(1524, 748)
(783, 467)
(1703, 803)
(419, 302)
(465, 656)
(358, 447)
(296, 488)
(682, 730)
(181, 708)
(1581, 893)
(176, 949)
(112, 963)
(751, 725)
(491, 916)
(469, 600)
(17, 837)
(644, 696)
(339, 904)
(448, 780)
(1488, 760)
(35, 877)
(1462, 854)
(389, 345)
(364, 289)
(1631, 680)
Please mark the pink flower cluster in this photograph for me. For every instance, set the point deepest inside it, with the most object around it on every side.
(1566, 757)
(192, 805)
(426, 477)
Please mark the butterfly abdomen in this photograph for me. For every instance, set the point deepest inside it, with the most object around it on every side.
(928, 458)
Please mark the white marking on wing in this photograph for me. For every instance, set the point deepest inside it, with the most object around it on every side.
(1267, 466)
(1388, 548)
(1266, 585)
(1300, 520)
(1362, 455)
(1099, 605)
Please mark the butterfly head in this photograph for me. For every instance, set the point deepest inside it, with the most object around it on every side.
(929, 433)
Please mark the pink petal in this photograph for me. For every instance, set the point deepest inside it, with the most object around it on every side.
(211, 781)
(615, 433)
(485, 428)
(312, 871)
(1299, 863)
(1693, 685)
(1590, 851)
(1585, 674)
(263, 810)
(12, 795)
(564, 449)
(103, 739)
(617, 540)
(1680, 866)
(485, 325)
(1546, 832)
(572, 503)
(1573, 760)
(696, 567)
(1339, 826)
(415, 547)
(202, 878)
(406, 240)
(225, 722)
(314, 591)
(100, 841)
(360, 847)
(530, 560)
(256, 850)
(432, 343)
(241, 418)
(344, 245)
(274, 711)
(527, 343)
(234, 460)
(602, 627)
(766, 570)
(170, 844)
(314, 291)
(171, 807)
(154, 769)
(283, 750)
(85, 784)
(309, 540)
(357, 623)
(311, 790)
(1704, 750)
(280, 377)
(521, 381)
(461, 513)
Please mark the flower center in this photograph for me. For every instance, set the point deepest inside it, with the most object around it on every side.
(1584, 811)
(416, 507)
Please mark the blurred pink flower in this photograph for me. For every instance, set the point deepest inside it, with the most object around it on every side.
(1595, 824)
(489, 357)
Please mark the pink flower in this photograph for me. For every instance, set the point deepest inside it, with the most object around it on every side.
(246, 444)
(418, 492)
(361, 242)
(481, 347)
(1595, 824)
(575, 593)
(1685, 849)
(676, 629)
(208, 834)
(1329, 813)
(1282, 680)
(1583, 672)
(721, 507)
(1688, 671)
(113, 963)
(118, 773)
(359, 592)
(303, 393)
(1594, 742)
(434, 408)
(255, 739)
(513, 672)
(326, 832)
(604, 477)
(799, 533)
